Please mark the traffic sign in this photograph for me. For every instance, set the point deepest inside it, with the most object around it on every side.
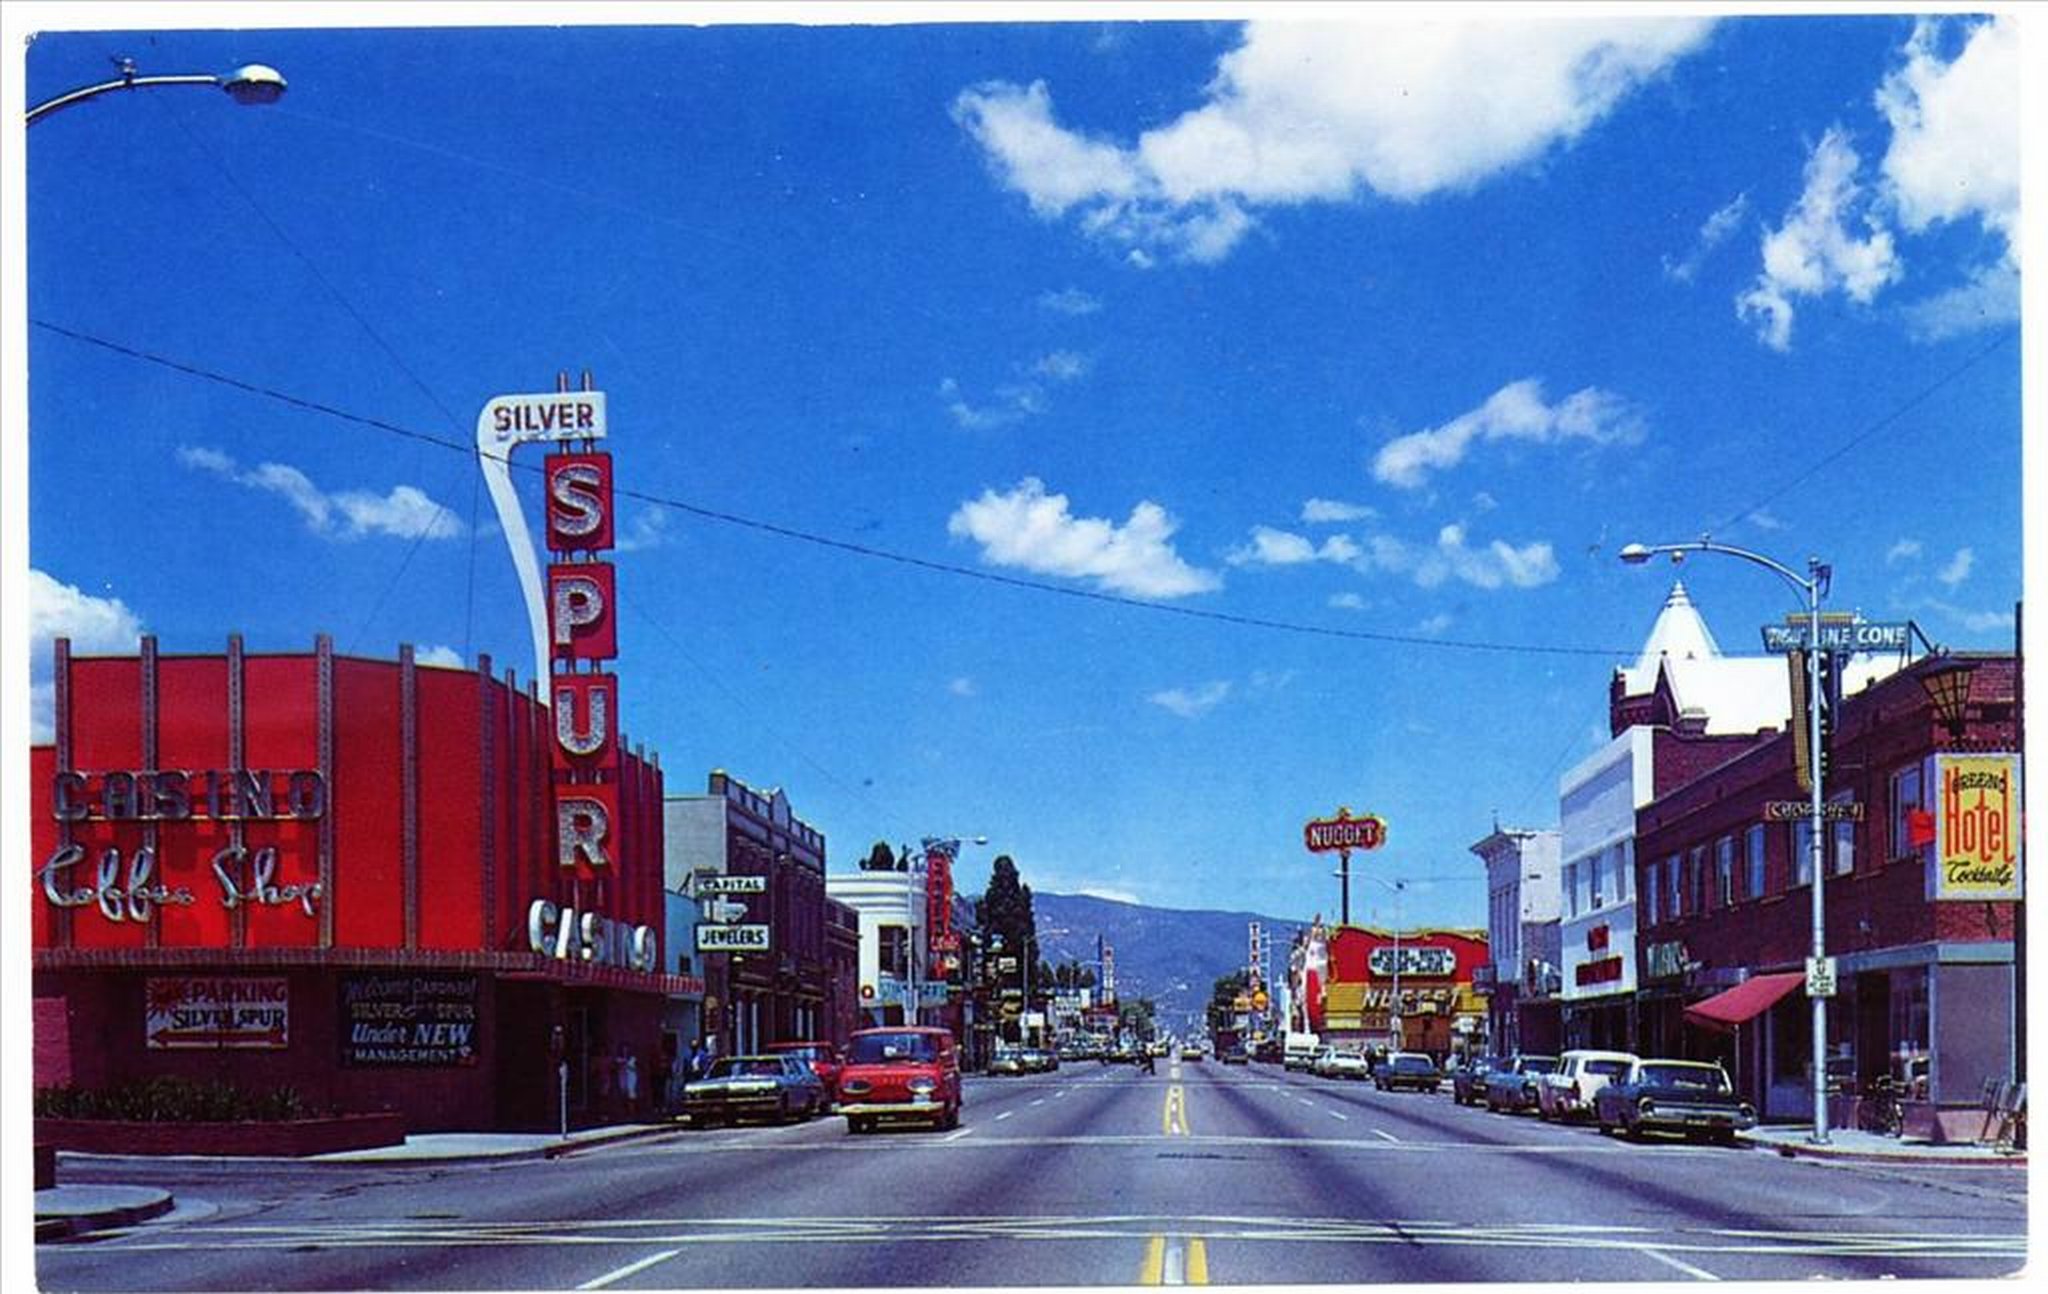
(1820, 977)
(1840, 636)
(1800, 810)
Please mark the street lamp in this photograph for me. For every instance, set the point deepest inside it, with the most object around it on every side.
(251, 83)
(1394, 1015)
(1814, 587)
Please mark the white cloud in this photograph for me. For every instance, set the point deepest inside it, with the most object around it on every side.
(438, 656)
(1029, 529)
(1763, 519)
(1958, 568)
(1271, 547)
(1988, 297)
(1347, 601)
(1192, 704)
(1323, 112)
(648, 528)
(1971, 621)
(1711, 235)
(1069, 301)
(1814, 251)
(962, 686)
(406, 512)
(1436, 624)
(1955, 148)
(1061, 366)
(1320, 511)
(95, 625)
(1114, 896)
(1902, 550)
(1515, 412)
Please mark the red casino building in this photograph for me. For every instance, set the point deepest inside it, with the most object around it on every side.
(384, 885)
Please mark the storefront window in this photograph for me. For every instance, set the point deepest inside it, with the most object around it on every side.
(1908, 797)
(1909, 1025)
(1755, 850)
(1802, 852)
(893, 951)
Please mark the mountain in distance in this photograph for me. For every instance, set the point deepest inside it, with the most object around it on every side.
(1173, 956)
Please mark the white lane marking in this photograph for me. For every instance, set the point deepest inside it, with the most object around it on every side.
(1335, 1115)
(1057, 1095)
(1304, 1100)
(1039, 1101)
(955, 1136)
(1388, 1135)
(629, 1269)
(1004, 1115)
(1697, 1273)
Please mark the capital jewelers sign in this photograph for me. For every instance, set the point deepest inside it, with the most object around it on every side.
(1977, 827)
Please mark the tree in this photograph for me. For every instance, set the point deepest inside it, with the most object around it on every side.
(879, 859)
(1223, 998)
(1004, 912)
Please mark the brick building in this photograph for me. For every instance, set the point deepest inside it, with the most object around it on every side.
(1925, 950)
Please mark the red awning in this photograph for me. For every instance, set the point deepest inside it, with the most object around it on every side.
(1745, 1002)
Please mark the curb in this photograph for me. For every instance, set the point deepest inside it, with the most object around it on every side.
(552, 1150)
(70, 1225)
(1793, 1150)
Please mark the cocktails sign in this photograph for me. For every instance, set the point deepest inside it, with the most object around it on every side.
(1977, 827)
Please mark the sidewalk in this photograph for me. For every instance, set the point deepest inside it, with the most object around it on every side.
(1870, 1147)
(64, 1211)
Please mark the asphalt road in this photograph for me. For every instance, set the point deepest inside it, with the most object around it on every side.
(1197, 1174)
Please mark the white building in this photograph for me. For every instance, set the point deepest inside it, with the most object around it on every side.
(1522, 897)
(896, 985)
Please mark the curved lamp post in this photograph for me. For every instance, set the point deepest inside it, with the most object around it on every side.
(1394, 1014)
(252, 83)
(1813, 587)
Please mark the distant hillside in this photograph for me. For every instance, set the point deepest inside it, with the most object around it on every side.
(1171, 955)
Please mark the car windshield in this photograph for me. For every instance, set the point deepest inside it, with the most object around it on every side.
(1706, 1078)
(746, 1067)
(882, 1048)
(1538, 1064)
(808, 1052)
(1412, 1062)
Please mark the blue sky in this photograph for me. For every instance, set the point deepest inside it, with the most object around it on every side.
(1334, 364)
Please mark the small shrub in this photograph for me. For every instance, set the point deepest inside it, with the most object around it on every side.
(171, 1100)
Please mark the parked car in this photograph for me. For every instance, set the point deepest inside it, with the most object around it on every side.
(740, 1087)
(1566, 1092)
(1685, 1096)
(1039, 1060)
(1408, 1069)
(1468, 1081)
(1340, 1062)
(1233, 1056)
(902, 1074)
(1512, 1086)
(823, 1058)
(1006, 1060)
(1300, 1050)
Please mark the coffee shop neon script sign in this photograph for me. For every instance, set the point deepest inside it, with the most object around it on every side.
(125, 886)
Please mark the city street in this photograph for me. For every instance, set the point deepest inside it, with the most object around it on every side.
(1199, 1173)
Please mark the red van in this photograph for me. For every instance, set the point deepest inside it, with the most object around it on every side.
(906, 1073)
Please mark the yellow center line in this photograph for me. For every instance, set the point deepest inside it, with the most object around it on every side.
(1173, 1117)
(1155, 1261)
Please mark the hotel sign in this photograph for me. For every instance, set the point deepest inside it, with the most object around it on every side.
(1977, 827)
(1344, 833)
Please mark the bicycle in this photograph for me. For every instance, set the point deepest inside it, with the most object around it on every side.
(1881, 1110)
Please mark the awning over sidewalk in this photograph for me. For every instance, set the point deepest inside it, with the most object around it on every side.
(1743, 1003)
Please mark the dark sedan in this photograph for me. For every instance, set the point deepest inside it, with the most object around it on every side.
(1690, 1097)
(1407, 1069)
(1468, 1081)
(758, 1087)
(1512, 1086)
